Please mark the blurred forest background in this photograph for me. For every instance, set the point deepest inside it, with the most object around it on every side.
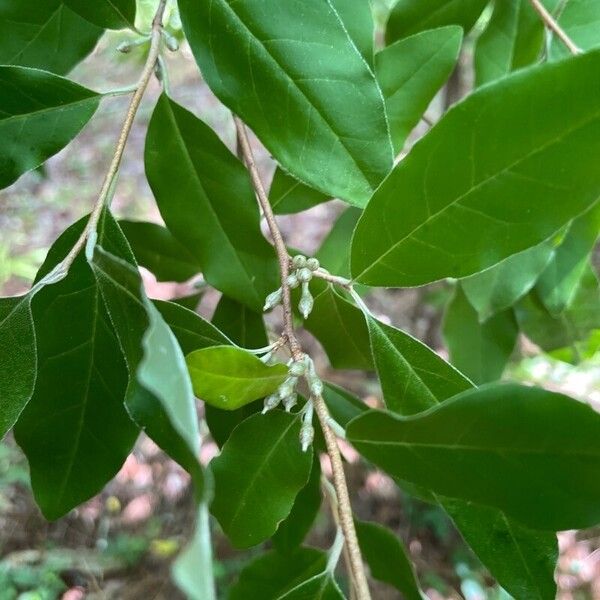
(120, 544)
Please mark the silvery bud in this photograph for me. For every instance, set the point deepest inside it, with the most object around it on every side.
(171, 41)
(287, 387)
(271, 402)
(289, 402)
(307, 435)
(292, 280)
(299, 261)
(297, 369)
(273, 299)
(307, 302)
(315, 385)
(312, 264)
(304, 275)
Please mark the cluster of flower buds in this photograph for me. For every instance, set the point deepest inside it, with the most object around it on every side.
(286, 393)
(302, 273)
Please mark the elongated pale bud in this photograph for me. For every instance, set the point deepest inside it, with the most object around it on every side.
(273, 299)
(292, 280)
(312, 264)
(299, 261)
(307, 435)
(171, 41)
(289, 402)
(288, 387)
(270, 403)
(297, 368)
(304, 275)
(307, 302)
(266, 358)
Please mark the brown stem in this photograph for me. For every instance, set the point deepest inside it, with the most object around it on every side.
(552, 24)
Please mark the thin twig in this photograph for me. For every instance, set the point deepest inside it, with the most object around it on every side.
(552, 24)
(339, 479)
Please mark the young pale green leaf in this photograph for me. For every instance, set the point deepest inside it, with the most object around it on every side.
(413, 16)
(387, 559)
(229, 377)
(273, 574)
(108, 14)
(258, 474)
(206, 199)
(426, 379)
(410, 73)
(40, 113)
(580, 20)
(288, 195)
(513, 39)
(319, 587)
(479, 350)
(156, 249)
(300, 80)
(558, 284)
(46, 36)
(291, 532)
(506, 446)
(528, 172)
(521, 559)
(499, 287)
(18, 358)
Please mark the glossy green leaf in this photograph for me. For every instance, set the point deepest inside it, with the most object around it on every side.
(40, 113)
(342, 405)
(211, 209)
(426, 378)
(410, 73)
(258, 474)
(500, 286)
(412, 16)
(301, 83)
(273, 574)
(50, 37)
(291, 532)
(229, 377)
(319, 587)
(387, 559)
(334, 253)
(288, 195)
(18, 359)
(239, 323)
(492, 178)
(560, 281)
(157, 250)
(540, 473)
(580, 20)
(79, 392)
(108, 14)
(479, 350)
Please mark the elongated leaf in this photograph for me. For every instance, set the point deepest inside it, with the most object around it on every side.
(334, 253)
(47, 36)
(410, 73)
(301, 83)
(527, 173)
(387, 558)
(500, 286)
(319, 587)
(342, 405)
(539, 473)
(79, 392)
(513, 38)
(239, 323)
(211, 209)
(108, 14)
(273, 574)
(291, 532)
(40, 114)
(156, 249)
(580, 20)
(412, 16)
(18, 359)
(288, 195)
(558, 284)
(258, 474)
(228, 377)
(480, 350)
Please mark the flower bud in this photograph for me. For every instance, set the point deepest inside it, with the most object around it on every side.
(292, 280)
(306, 303)
(289, 402)
(287, 387)
(315, 385)
(304, 275)
(270, 403)
(297, 369)
(312, 264)
(171, 41)
(299, 261)
(307, 435)
(273, 299)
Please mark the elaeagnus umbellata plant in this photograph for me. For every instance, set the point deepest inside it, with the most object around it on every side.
(499, 197)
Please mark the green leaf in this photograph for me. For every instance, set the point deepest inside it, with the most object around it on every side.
(273, 574)
(506, 446)
(79, 392)
(319, 587)
(108, 14)
(258, 474)
(157, 250)
(287, 195)
(334, 253)
(500, 286)
(229, 377)
(513, 39)
(342, 405)
(301, 83)
(241, 324)
(40, 113)
(410, 73)
(207, 201)
(527, 173)
(580, 20)
(426, 378)
(387, 559)
(291, 532)
(558, 284)
(413, 16)
(523, 560)
(18, 358)
(50, 36)
(479, 350)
